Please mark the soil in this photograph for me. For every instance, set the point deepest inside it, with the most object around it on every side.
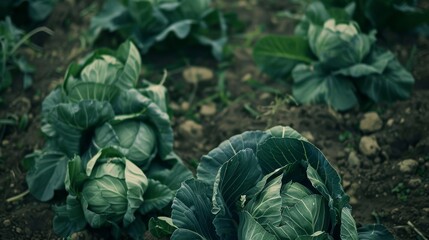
(379, 190)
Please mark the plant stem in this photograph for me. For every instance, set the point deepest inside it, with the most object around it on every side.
(17, 197)
(29, 35)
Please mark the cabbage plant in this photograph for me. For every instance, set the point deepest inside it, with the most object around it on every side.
(149, 22)
(99, 106)
(112, 192)
(331, 61)
(266, 185)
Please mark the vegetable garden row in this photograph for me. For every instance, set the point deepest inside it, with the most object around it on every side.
(119, 154)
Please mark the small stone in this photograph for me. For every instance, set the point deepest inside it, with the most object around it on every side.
(353, 160)
(5, 142)
(341, 155)
(353, 200)
(208, 109)
(18, 230)
(246, 77)
(264, 96)
(394, 211)
(346, 183)
(408, 110)
(370, 122)
(6, 223)
(308, 136)
(368, 146)
(174, 106)
(390, 122)
(408, 166)
(184, 106)
(190, 128)
(414, 182)
(197, 74)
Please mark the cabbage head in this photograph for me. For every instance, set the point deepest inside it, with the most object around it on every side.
(136, 139)
(265, 185)
(105, 194)
(339, 45)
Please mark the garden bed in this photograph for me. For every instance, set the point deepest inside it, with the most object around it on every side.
(381, 187)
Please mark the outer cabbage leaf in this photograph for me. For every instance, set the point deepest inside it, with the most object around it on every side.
(192, 211)
(47, 174)
(348, 225)
(156, 197)
(374, 232)
(171, 177)
(69, 218)
(376, 63)
(278, 55)
(313, 85)
(71, 121)
(211, 163)
(394, 83)
(243, 173)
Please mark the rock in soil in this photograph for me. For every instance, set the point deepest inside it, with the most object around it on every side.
(414, 183)
(6, 223)
(353, 160)
(208, 110)
(190, 128)
(194, 75)
(408, 166)
(368, 146)
(308, 136)
(370, 122)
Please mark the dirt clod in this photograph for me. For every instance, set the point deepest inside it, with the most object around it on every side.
(368, 146)
(371, 122)
(194, 75)
(353, 160)
(308, 135)
(408, 166)
(414, 183)
(190, 128)
(6, 223)
(208, 109)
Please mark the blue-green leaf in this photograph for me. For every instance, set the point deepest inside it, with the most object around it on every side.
(313, 85)
(278, 55)
(234, 179)
(374, 232)
(156, 197)
(69, 218)
(395, 83)
(70, 121)
(306, 217)
(192, 212)
(250, 229)
(161, 227)
(211, 163)
(133, 102)
(265, 208)
(48, 174)
(128, 54)
(348, 225)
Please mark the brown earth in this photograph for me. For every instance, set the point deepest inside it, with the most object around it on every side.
(249, 100)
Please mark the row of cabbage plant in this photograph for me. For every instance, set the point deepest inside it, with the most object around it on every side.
(109, 144)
